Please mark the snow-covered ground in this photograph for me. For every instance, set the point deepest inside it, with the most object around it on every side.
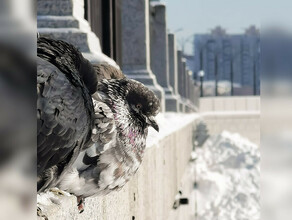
(228, 175)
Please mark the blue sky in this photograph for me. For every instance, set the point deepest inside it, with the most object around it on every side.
(200, 16)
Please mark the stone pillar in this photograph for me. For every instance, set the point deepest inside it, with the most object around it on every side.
(190, 90)
(187, 81)
(159, 52)
(183, 86)
(194, 94)
(191, 86)
(179, 72)
(136, 45)
(197, 97)
(64, 20)
(187, 89)
(172, 54)
(180, 77)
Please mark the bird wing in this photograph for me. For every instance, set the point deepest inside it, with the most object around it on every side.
(69, 61)
(106, 71)
(63, 120)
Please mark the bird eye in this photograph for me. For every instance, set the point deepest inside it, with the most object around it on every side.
(139, 106)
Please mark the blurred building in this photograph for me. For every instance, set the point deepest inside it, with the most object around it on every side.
(229, 57)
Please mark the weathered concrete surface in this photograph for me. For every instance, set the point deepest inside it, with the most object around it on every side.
(186, 211)
(150, 193)
(54, 7)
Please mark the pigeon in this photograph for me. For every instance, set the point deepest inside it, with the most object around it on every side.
(92, 123)
(124, 109)
(65, 112)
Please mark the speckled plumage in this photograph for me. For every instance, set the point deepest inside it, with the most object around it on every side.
(100, 170)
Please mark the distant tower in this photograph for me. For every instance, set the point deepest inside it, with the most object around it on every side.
(252, 31)
(218, 31)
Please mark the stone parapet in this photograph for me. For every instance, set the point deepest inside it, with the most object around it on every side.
(150, 194)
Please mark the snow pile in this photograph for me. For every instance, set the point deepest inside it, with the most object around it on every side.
(53, 201)
(228, 175)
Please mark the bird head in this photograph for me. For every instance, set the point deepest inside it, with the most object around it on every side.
(141, 103)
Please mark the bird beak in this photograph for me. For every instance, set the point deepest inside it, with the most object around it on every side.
(151, 122)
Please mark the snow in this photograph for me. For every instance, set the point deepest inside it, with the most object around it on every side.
(157, 3)
(228, 175)
(169, 123)
(54, 200)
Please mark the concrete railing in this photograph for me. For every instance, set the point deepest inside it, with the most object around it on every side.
(230, 103)
(235, 114)
(150, 193)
